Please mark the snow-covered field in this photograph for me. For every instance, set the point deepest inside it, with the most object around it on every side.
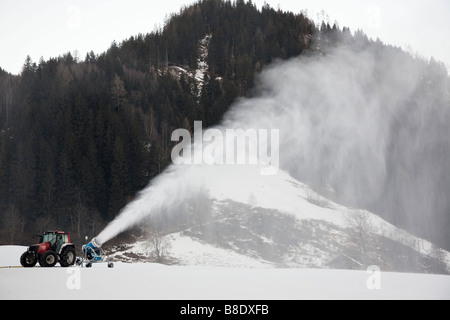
(157, 282)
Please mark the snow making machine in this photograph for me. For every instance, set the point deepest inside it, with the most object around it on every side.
(93, 253)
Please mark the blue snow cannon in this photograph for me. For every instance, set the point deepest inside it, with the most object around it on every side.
(93, 253)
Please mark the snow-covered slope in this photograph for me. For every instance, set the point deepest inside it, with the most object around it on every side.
(242, 218)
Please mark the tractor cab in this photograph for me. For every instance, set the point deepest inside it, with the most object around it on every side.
(52, 240)
(56, 239)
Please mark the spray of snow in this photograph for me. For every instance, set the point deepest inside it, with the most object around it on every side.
(334, 114)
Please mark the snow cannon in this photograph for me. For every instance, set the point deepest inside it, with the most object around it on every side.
(94, 244)
(93, 253)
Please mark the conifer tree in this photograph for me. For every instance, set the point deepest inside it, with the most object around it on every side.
(120, 178)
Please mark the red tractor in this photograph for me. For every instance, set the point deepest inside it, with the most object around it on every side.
(53, 246)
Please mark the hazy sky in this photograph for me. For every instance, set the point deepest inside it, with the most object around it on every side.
(50, 28)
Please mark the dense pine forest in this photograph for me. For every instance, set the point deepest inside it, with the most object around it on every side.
(80, 137)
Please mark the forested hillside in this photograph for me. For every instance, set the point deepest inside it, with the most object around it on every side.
(80, 137)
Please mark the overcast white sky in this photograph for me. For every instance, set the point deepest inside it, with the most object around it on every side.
(50, 28)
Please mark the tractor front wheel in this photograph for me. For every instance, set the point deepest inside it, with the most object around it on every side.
(28, 260)
(48, 259)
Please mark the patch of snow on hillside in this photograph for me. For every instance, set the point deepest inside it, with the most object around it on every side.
(198, 74)
(202, 64)
(194, 253)
(186, 251)
(272, 221)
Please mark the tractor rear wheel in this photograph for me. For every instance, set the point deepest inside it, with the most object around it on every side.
(28, 260)
(68, 257)
(48, 259)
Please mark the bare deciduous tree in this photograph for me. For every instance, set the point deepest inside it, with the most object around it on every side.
(43, 223)
(157, 244)
(160, 247)
(11, 222)
(362, 226)
(78, 218)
